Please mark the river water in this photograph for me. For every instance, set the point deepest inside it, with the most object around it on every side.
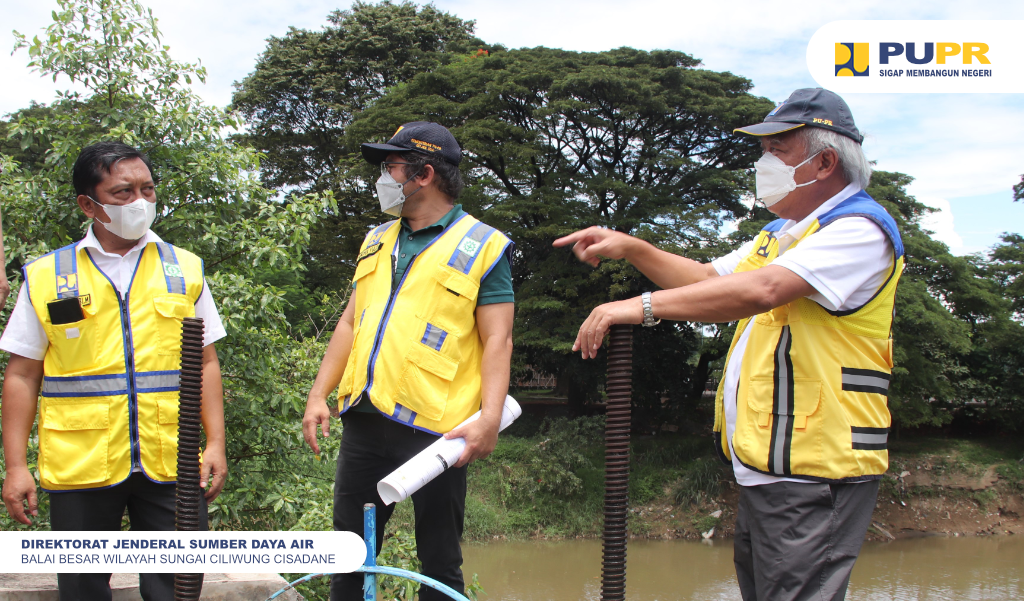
(923, 569)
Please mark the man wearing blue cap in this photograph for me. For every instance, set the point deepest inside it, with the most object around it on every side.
(801, 413)
(424, 343)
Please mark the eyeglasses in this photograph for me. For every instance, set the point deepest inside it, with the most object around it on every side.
(385, 166)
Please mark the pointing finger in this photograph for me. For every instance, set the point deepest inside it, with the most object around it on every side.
(571, 238)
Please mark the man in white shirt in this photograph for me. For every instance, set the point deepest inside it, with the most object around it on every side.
(801, 413)
(97, 329)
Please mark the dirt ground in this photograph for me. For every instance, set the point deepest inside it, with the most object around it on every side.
(923, 499)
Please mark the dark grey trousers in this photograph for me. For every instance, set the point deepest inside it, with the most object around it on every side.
(797, 541)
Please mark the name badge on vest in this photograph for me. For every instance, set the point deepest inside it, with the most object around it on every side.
(369, 251)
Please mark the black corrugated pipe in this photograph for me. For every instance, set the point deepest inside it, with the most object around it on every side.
(616, 456)
(187, 587)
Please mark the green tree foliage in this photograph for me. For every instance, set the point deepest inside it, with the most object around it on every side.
(998, 356)
(555, 141)
(957, 344)
(211, 202)
(304, 92)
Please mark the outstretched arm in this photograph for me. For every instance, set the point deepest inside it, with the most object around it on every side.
(663, 268)
(723, 299)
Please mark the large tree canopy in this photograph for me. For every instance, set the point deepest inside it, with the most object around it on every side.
(305, 90)
(555, 141)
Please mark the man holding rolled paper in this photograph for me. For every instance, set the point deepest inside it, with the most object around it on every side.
(424, 343)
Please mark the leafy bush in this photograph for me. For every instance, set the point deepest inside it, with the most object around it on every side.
(703, 481)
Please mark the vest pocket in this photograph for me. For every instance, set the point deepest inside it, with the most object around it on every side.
(171, 309)
(76, 345)
(426, 378)
(167, 423)
(777, 423)
(765, 399)
(453, 301)
(74, 450)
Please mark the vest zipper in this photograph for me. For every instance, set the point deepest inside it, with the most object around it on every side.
(129, 364)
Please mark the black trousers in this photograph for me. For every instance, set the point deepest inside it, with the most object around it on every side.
(373, 446)
(150, 508)
(798, 541)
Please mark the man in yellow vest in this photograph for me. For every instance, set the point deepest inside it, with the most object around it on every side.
(801, 413)
(424, 343)
(97, 330)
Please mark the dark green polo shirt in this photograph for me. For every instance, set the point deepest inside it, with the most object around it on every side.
(496, 287)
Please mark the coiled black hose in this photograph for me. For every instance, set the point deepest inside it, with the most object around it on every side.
(616, 479)
(188, 587)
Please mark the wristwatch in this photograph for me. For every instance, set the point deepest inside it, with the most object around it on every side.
(649, 320)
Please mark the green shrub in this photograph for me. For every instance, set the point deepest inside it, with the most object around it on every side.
(703, 481)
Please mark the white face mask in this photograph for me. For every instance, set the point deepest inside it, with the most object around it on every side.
(130, 221)
(391, 194)
(773, 179)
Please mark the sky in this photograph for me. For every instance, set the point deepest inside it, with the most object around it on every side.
(965, 151)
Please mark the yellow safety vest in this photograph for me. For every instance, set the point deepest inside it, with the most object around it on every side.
(416, 351)
(110, 380)
(812, 401)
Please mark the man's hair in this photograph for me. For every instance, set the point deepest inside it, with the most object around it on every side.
(95, 162)
(855, 165)
(448, 176)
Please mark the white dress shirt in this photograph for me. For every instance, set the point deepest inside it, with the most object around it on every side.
(25, 335)
(846, 263)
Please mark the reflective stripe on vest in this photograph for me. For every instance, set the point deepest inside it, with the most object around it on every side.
(66, 272)
(172, 271)
(465, 253)
(85, 386)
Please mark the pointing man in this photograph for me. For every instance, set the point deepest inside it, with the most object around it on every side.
(801, 412)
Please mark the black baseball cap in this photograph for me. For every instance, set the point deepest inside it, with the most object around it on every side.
(816, 107)
(423, 137)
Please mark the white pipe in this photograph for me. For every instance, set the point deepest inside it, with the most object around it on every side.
(432, 461)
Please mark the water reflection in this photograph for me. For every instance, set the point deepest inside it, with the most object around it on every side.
(929, 569)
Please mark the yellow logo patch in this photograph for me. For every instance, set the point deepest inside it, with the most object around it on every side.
(67, 283)
(425, 145)
(85, 300)
(851, 59)
(369, 251)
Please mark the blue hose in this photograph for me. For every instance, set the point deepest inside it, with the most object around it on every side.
(383, 570)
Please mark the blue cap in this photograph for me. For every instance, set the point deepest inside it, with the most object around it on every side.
(422, 137)
(815, 107)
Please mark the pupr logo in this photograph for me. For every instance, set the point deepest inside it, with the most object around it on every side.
(851, 59)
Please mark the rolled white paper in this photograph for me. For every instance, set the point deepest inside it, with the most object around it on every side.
(432, 461)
